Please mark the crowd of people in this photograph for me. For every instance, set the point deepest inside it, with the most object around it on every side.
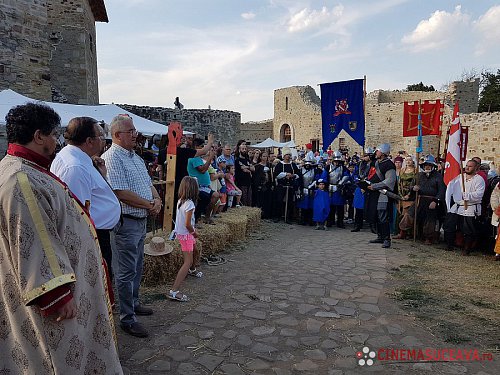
(75, 222)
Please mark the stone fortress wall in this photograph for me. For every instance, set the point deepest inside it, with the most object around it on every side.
(300, 108)
(256, 131)
(48, 49)
(225, 125)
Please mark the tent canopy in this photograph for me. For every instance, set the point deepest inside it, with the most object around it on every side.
(106, 112)
(269, 142)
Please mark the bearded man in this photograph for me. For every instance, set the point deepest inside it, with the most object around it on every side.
(466, 207)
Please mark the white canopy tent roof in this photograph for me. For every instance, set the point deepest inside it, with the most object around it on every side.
(106, 112)
(269, 142)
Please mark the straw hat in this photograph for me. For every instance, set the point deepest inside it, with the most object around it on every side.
(157, 247)
(286, 151)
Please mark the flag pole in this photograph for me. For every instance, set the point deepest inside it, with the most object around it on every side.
(418, 151)
(364, 114)
(462, 162)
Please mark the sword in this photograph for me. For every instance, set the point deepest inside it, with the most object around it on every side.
(390, 194)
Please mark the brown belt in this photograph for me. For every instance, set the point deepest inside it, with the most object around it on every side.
(427, 196)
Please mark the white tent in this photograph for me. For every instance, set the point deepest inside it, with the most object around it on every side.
(269, 142)
(106, 112)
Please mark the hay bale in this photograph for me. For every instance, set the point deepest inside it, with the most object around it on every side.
(254, 215)
(162, 269)
(215, 237)
(237, 223)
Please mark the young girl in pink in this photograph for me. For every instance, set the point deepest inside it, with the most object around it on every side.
(185, 232)
(231, 189)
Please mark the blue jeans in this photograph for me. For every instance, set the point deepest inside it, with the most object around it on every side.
(128, 257)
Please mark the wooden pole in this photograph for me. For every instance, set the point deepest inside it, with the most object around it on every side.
(174, 137)
(418, 151)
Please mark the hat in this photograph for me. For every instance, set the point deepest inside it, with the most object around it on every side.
(321, 181)
(286, 151)
(384, 148)
(309, 146)
(157, 246)
(429, 160)
(398, 158)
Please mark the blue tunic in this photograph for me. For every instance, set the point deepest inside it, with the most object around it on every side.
(321, 207)
(359, 199)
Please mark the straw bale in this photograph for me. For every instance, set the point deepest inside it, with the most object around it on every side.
(215, 237)
(161, 269)
(237, 223)
(254, 217)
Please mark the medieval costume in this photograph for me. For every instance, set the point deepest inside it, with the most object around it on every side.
(464, 211)
(337, 177)
(359, 194)
(382, 178)
(305, 203)
(406, 182)
(321, 204)
(287, 177)
(431, 190)
(49, 254)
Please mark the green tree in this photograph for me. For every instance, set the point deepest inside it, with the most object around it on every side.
(420, 87)
(489, 98)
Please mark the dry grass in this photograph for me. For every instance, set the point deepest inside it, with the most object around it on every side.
(456, 297)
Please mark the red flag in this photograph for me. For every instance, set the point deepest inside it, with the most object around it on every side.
(453, 166)
(431, 118)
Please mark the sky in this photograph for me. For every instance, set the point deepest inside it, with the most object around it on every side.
(232, 54)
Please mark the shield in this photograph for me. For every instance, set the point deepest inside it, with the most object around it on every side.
(332, 128)
(353, 125)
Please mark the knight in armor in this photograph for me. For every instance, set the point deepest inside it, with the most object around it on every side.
(359, 194)
(431, 191)
(381, 178)
(305, 203)
(337, 177)
(287, 177)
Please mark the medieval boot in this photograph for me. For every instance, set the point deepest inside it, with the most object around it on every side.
(356, 229)
(467, 247)
(401, 235)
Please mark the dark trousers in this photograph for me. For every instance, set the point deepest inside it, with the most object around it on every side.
(339, 212)
(262, 199)
(103, 235)
(246, 195)
(358, 218)
(465, 224)
(384, 224)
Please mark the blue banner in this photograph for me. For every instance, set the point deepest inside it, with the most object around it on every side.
(342, 108)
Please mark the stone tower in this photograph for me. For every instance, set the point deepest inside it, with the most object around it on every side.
(48, 49)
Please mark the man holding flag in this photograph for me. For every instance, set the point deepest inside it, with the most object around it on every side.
(463, 193)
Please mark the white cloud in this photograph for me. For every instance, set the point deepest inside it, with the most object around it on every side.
(488, 29)
(248, 15)
(308, 19)
(437, 31)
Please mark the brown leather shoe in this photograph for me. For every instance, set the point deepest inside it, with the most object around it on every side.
(401, 235)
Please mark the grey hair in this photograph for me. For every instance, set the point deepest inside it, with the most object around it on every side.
(117, 121)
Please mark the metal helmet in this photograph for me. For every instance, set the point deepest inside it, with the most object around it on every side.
(429, 159)
(369, 150)
(337, 156)
(384, 148)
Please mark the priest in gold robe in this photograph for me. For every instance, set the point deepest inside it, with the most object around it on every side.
(55, 315)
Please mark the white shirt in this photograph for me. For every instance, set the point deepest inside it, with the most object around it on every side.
(474, 190)
(75, 168)
(180, 219)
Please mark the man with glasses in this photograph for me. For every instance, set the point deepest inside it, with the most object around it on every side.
(79, 166)
(131, 183)
(54, 316)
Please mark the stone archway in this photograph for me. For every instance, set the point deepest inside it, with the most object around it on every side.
(285, 133)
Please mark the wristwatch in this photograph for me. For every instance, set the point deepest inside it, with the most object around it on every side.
(152, 202)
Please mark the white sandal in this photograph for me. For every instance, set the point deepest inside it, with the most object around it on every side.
(195, 273)
(175, 296)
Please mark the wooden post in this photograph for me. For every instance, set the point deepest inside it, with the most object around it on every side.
(418, 150)
(174, 137)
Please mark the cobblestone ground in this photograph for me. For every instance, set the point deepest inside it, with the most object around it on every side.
(294, 300)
